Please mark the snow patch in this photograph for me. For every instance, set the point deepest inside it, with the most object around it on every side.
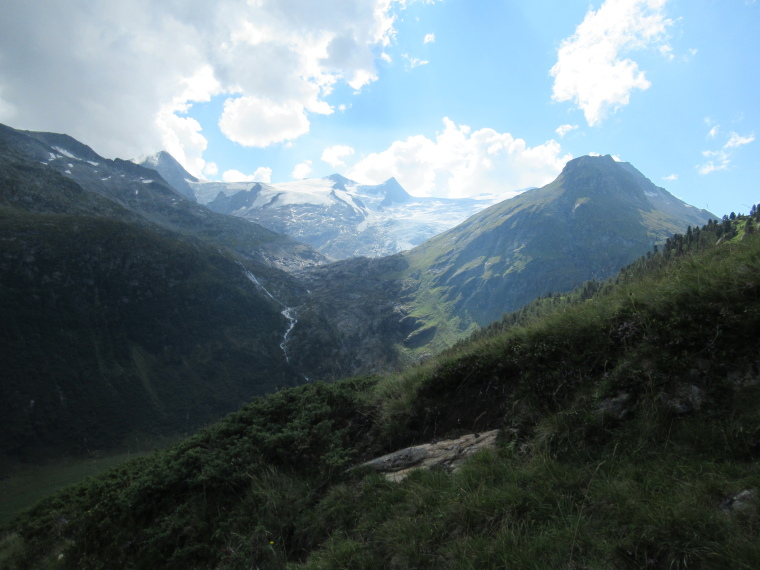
(651, 194)
(66, 153)
(146, 181)
(93, 163)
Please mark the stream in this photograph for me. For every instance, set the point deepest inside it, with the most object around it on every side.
(287, 312)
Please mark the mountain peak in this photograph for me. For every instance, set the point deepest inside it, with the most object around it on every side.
(590, 162)
(340, 179)
(170, 170)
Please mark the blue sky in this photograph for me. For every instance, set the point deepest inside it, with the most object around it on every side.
(452, 97)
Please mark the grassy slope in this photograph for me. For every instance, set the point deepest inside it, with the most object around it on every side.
(588, 223)
(569, 486)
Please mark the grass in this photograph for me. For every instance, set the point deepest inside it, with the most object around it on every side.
(569, 485)
(24, 484)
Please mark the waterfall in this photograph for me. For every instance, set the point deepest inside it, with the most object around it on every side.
(287, 312)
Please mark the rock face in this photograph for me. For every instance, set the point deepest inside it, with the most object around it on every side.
(448, 454)
(352, 318)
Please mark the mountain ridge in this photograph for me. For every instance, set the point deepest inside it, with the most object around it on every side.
(336, 215)
(587, 224)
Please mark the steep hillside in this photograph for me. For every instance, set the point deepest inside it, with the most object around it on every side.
(113, 323)
(628, 439)
(109, 328)
(596, 217)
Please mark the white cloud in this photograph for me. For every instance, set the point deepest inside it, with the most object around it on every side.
(667, 52)
(591, 69)
(429, 39)
(334, 155)
(413, 61)
(721, 159)
(120, 75)
(211, 169)
(713, 132)
(737, 140)
(262, 174)
(671, 178)
(460, 162)
(301, 170)
(562, 130)
(251, 121)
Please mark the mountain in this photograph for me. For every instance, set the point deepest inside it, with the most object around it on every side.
(171, 171)
(139, 309)
(596, 217)
(126, 307)
(342, 218)
(146, 194)
(627, 438)
(337, 216)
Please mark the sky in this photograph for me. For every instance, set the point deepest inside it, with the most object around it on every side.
(454, 98)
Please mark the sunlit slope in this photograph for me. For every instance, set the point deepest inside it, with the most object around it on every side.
(596, 217)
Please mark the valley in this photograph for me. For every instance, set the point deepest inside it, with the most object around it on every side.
(170, 315)
(627, 437)
(134, 309)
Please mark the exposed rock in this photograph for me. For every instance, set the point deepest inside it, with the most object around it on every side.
(617, 407)
(448, 454)
(739, 502)
(684, 399)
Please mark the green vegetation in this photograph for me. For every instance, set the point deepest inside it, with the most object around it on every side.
(629, 439)
(596, 217)
(23, 485)
(126, 309)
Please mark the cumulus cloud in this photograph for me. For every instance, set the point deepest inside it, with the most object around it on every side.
(562, 130)
(334, 155)
(461, 162)
(211, 169)
(120, 76)
(262, 174)
(429, 39)
(671, 178)
(592, 69)
(251, 121)
(720, 159)
(301, 170)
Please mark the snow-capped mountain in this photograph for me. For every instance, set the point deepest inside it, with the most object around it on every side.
(340, 217)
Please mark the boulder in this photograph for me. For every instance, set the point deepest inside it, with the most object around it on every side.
(447, 454)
